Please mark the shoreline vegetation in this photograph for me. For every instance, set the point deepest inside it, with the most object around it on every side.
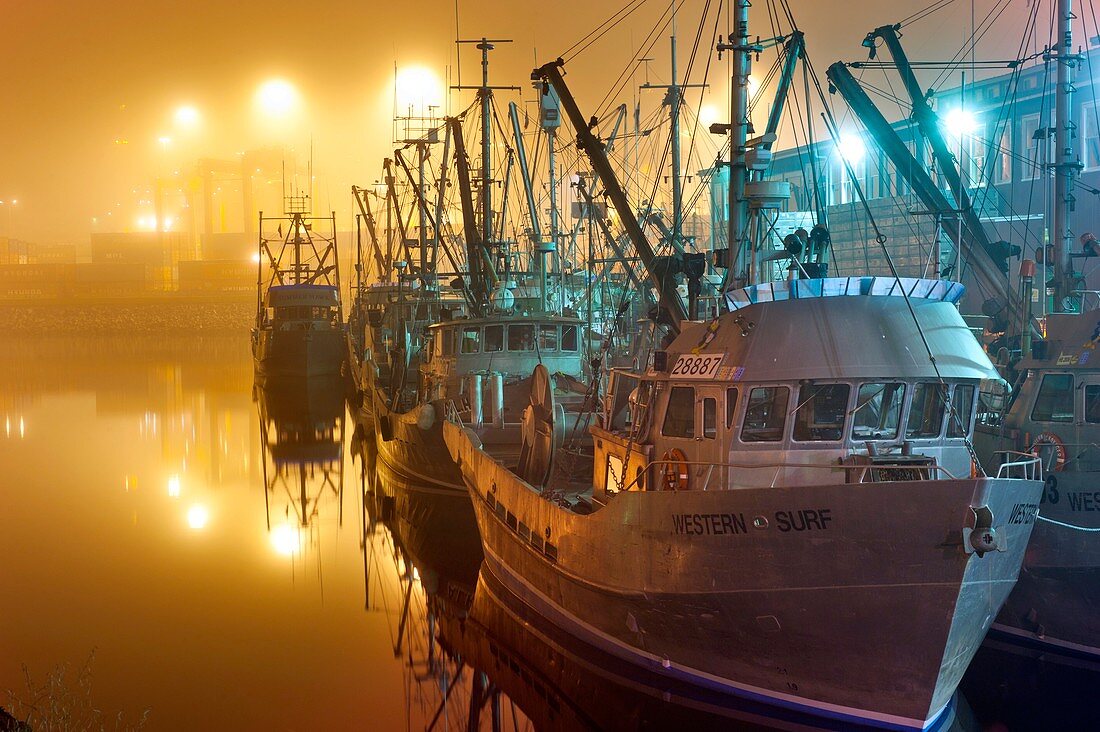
(63, 701)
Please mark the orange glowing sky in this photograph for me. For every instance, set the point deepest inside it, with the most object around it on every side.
(91, 88)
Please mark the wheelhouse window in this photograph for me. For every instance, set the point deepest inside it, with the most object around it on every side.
(877, 415)
(710, 418)
(962, 411)
(680, 413)
(569, 338)
(521, 337)
(471, 340)
(765, 414)
(1055, 400)
(1092, 403)
(731, 406)
(926, 412)
(446, 341)
(548, 337)
(822, 409)
(494, 338)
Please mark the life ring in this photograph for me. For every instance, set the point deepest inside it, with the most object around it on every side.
(674, 470)
(1049, 438)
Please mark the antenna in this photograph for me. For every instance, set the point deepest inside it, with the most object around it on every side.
(458, 55)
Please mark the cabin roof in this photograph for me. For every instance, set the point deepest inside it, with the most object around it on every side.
(915, 288)
(503, 319)
(841, 328)
(301, 295)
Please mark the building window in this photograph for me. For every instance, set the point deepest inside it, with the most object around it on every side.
(1032, 154)
(877, 415)
(680, 413)
(1055, 400)
(821, 411)
(975, 161)
(765, 414)
(1003, 156)
(1090, 136)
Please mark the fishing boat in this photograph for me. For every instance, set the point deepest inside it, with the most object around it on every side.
(785, 504)
(462, 346)
(299, 330)
(1054, 412)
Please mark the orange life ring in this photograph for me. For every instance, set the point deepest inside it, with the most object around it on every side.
(674, 470)
(1049, 438)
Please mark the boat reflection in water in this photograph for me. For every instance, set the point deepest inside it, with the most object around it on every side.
(302, 427)
(477, 657)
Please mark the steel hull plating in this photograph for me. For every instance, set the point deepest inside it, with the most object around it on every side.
(411, 445)
(869, 611)
(283, 354)
(1054, 605)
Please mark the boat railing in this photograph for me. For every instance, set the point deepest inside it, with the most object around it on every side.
(679, 470)
(1074, 452)
(1016, 464)
(451, 413)
(1085, 295)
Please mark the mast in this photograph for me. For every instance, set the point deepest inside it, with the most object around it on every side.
(486, 95)
(674, 98)
(1066, 163)
(739, 133)
(532, 208)
(478, 246)
(660, 269)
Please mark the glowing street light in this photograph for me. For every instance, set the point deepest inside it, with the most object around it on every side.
(851, 148)
(960, 122)
(187, 117)
(276, 98)
(417, 87)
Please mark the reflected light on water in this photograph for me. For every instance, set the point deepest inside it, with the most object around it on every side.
(284, 540)
(174, 486)
(198, 516)
(22, 429)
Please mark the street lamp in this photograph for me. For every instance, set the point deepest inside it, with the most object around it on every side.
(851, 148)
(960, 122)
(276, 98)
(187, 117)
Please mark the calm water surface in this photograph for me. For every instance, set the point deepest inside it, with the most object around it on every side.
(217, 557)
(219, 585)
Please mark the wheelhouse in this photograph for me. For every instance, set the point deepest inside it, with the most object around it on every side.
(729, 407)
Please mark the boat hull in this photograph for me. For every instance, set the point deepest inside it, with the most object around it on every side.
(1054, 606)
(410, 445)
(289, 354)
(852, 601)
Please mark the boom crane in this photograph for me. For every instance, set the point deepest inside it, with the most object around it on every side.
(988, 275)
(659, 269)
